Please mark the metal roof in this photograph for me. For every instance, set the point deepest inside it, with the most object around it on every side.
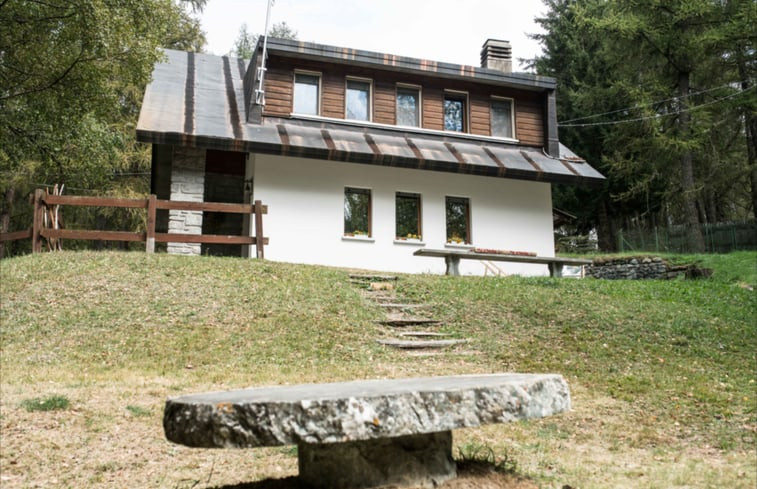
(391, 62)
(198, 100)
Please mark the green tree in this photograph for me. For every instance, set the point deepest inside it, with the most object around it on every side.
(646, 93)
(244, 45)
(72, 75)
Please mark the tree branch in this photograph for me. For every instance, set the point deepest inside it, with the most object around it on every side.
(56, 81)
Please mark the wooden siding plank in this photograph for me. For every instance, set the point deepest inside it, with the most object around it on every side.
(529, 117)
(433, 116)
(332, 98)
(384, 104)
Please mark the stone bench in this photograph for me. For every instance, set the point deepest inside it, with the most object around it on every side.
(452, 259)
(364, 433)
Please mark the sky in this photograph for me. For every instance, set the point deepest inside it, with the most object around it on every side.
(441, 30)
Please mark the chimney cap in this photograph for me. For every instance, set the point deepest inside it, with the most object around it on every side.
(497, 54)
(497, 41)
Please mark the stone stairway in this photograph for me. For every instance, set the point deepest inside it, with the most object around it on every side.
(400, 315)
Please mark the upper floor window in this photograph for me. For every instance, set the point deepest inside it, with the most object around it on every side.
(408, 106)
(358, 100)
(455, 118)
(502, 116)
(458, 220)
(408, 215)
(307, 93)
(357, 212)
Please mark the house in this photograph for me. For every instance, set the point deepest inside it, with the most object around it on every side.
(361, 157)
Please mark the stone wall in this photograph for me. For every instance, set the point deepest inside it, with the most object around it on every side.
(629, 268)
(187, 184)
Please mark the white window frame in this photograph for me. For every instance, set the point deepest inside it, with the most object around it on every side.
(466, 116)
(512, 116)
(369, 231)
(405, 239)
(369, 81)
(469, 223)
(410, 86)
(317, 74)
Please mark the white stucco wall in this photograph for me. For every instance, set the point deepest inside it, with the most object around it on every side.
(305, 220)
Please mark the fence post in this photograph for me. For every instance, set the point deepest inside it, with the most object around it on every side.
(259, 240)
(37, 221)
(150, 237)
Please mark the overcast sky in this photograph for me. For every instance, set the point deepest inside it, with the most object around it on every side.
(439, 30)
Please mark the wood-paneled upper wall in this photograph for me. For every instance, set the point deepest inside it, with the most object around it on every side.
(529, 106)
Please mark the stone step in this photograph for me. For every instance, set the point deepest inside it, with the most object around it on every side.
(422, 334)
(373, 278)
(394, 305)
(407, 322)
(380, 286)
(382, 298)
(419, 344)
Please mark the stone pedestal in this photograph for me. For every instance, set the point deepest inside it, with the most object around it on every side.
(414, 460)
(370, 433)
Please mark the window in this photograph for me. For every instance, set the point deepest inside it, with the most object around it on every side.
(502, 118)
(306, 93)
(408, 106)
(455, 118)
(408, 216)
(357, 212)
(358, 100)
(458, 220)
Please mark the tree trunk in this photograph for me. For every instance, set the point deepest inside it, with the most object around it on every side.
(5, 217)
(606, 237)
(750, 123)
(693, 231)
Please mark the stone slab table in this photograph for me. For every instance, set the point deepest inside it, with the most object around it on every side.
(366, 433)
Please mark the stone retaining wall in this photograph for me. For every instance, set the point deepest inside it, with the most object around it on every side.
(629, 268)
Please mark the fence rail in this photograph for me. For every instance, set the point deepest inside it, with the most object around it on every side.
(44, 204)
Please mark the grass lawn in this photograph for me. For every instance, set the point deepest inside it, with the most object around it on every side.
(662, 373)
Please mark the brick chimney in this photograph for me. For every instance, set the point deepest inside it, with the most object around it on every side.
(497, 55)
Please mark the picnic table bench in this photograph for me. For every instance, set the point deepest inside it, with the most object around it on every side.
(452, 259)
(367, 433)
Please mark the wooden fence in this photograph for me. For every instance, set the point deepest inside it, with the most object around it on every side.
(718, 238)
(44, 205)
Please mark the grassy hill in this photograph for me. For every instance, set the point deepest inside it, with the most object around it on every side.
(662, 372)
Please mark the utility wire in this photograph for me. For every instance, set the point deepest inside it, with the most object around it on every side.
(657, 116)
(648, 104)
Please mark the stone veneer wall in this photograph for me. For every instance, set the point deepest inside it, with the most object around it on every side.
(188, 184)
(630, 268)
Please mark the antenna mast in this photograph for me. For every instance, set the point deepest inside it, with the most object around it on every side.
(260, 91)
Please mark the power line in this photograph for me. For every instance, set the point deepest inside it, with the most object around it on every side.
(657, 116)
(691, 94)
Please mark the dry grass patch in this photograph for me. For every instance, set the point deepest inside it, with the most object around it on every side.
(661, 373)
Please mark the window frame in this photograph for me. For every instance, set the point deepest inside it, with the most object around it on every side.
(369, 220)
(418, 235)
(369, 82)
(496, 98)
(461, 96)
(316, 74)
(409, 86)
(468, 239)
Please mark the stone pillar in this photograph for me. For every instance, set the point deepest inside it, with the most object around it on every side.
(423, 460)
(187, 184)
